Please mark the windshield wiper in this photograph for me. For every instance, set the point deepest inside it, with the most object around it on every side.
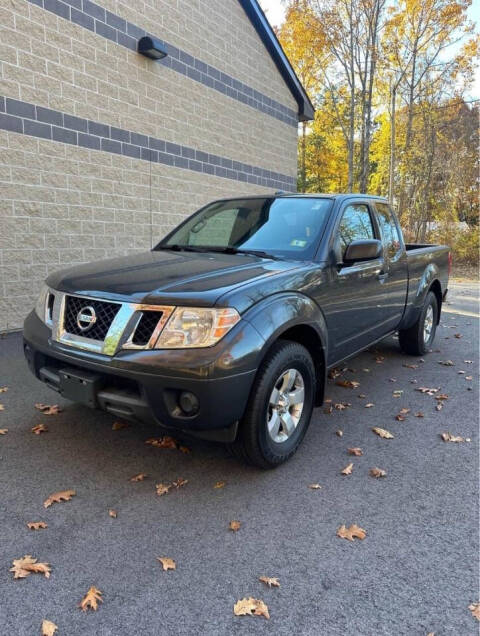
(175, 247)
(233, 250)
(214, 248)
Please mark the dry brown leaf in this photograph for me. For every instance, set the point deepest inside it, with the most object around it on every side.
(339, 433)
(3, 431)
(381, 432)
(446, 363)
(36, 525)
(348, 469)
(404, 411)
(448, 437)
(469, 377)
(2, 408)
(91, 599)
(167, 563)
(439, 406)
(361, 396)
(475, 609)
(410, 366)
(48, 409)
(369, 405)
(57, 497)
(328, 410)
(379, 359)
(28, 565)
(315, 486)
(419, 414)
(348, 384)
(378, 472)
(234, 526)
(398, 393)
(441, 397)
(250, 607)
(48, 628)
(162, 442)
(185, 450)
(427, 390)
(220, 484)
(457, 335)
(355, 451)
(350, 533)
(400, 418)
(270, 581)
(178, 483)
(119, 424)
(468, 361)
(40, 428)
(3, 389)
(162, 489)
(139, 477)
(112, 513)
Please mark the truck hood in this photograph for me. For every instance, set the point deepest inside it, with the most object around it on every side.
(166, 277)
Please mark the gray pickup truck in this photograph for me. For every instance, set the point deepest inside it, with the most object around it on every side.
(227, 328)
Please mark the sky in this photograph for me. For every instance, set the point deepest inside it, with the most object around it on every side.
(275, 11)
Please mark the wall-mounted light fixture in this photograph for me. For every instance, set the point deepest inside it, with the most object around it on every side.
(152, 48)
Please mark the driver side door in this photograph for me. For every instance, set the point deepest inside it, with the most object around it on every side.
(353, 308)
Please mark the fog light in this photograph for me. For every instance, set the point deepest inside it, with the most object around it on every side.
(188, 403)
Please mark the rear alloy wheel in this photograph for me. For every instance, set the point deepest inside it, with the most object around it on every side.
(417, 339)
(279, 407)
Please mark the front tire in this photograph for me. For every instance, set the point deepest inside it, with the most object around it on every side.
(417, 339)
(279, 408)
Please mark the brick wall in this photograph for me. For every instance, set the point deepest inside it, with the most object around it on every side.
(102, 151)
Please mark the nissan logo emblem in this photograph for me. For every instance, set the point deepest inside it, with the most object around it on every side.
(86, 318)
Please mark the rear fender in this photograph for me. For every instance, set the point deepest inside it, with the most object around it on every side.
(427, 282)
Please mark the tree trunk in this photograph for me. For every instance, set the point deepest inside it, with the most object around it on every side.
(391, 169)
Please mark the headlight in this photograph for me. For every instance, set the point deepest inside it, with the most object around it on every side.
(196, 327)
(41, 306)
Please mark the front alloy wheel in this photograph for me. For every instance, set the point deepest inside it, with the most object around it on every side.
(285, 406)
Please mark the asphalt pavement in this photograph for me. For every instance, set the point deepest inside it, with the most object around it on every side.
(415, 572)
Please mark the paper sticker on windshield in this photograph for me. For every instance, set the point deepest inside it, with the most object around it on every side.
(297, 243)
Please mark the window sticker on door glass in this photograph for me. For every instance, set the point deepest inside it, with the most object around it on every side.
(298, 243)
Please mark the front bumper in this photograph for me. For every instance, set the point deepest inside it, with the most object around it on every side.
(147, 385)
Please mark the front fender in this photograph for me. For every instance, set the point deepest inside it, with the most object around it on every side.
(277, 314)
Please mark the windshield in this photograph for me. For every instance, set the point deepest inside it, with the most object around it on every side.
(289, 227)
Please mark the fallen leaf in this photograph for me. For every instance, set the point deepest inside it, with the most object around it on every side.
(220, 484)
(251, 607)
(57, 497)
(139, 477)
(333, 373)
(419, 414)
(348, 469)
(468, 361)
(2, 408)
(392, 379)
(469, 377)
(348, 384)
(270, 581)
(3, 431)
(379, 359)
(40, 428)
(36, 525)
(382, 432)
(446, 363)
(162, 442)
(167, 563)
(439, 406)
(404, 411)
(448, 437)
(112, 513)
(361, 396)
(369, 405)
(355, 451)
(315, 486)
(428, 391)
(162, 489)
(457, 335)
(119, 424)
(397, 393)
(341, 406)
(339, 433)
(178, 483)
(366, 370)
(328, 410)
(410, 366)
(185, 450)
(350, 533)
(3, 389)
(475, 609)
(377, 472)
(48, 628)
(91, 599)
(400, 418)
(22, 568)
(461, 372)
(48, 409)
(234, 526)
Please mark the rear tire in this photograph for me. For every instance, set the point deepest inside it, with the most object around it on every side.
(279, 408)
(417, 339)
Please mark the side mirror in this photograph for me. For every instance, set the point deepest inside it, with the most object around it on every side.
(365, 250)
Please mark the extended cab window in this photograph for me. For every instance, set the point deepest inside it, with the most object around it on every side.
(284, 226)
(356, 225)
(388, 228)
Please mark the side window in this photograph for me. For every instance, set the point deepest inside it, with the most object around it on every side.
(390, 237)
(356, 224)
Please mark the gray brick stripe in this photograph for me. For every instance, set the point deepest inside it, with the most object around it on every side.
(45, 123)
(95, 18)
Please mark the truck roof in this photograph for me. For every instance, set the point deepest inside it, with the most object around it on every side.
(309, 195)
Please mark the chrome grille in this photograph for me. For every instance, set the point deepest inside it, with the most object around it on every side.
(105, 313)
